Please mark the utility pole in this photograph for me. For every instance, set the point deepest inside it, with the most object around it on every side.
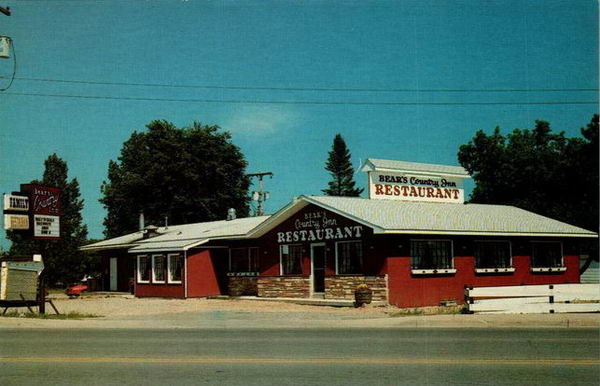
(260, 195)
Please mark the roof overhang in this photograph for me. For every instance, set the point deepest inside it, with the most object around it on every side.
(277, 218)
(294, 207)
(179, 245)
(368, 166)
(167, 246)
(92, 248)
(480, 233)
(420, 173)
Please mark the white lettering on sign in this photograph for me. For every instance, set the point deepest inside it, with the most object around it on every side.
(319, 234)
(46, 226)
(49, 203)
(398, 186)
(315, 220)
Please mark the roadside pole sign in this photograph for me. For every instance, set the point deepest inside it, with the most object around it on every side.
(44, 208)
(16, 222)
(16, 203)
(16, 212)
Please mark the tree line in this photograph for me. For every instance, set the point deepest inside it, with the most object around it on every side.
(196, 173)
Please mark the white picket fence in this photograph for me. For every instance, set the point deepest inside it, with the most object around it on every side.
(532, 299)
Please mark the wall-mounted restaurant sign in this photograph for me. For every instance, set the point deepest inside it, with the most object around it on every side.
(318, 225)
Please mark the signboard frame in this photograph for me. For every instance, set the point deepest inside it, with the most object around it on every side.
(15, 203)
(398, 185)
(44, 210)
(11, 222)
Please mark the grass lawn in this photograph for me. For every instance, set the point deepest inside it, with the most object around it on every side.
(33, 315)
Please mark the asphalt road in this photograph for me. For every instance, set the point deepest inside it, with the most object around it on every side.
(300, 356)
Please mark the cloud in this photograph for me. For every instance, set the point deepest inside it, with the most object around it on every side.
(261, 120)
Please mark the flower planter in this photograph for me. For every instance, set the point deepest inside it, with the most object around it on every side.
(363, 296)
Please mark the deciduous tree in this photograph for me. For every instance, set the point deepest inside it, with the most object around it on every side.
(191, 174)
(538, 170)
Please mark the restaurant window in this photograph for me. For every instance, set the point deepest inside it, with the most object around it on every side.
(158, 268)
(175, 266)
(492, 254)
(431, 254)
(143, 269)
(291, 259)
(546, 255)
(349, 257)
(243, 259)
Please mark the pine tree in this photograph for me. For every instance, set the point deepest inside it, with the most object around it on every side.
(340, 167)
(63, 261)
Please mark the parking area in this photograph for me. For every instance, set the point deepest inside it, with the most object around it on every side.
(126, 311)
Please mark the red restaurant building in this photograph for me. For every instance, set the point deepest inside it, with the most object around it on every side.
(413, 241)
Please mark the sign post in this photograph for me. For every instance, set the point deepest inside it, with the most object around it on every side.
(36, 210)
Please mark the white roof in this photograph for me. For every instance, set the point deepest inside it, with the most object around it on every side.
(124, 241)
(374, 164)
(383, 216)
(402, 217)
(181, 237)
(151, 245)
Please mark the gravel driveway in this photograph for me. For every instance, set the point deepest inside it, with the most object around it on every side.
(125, 311)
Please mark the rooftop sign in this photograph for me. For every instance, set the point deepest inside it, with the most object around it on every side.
(408, 181)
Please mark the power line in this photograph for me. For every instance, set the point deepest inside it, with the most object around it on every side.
(290, 102)
(272, 88)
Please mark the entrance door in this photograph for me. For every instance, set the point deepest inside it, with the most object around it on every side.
(113, 273)
(317, 253)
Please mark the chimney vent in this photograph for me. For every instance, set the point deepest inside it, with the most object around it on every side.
(230, 214)
(150, 231)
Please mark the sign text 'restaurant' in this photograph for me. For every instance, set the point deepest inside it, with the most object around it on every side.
(318, 226)
(400, 186)
(335, 233)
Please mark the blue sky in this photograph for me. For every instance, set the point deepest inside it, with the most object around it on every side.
(382, 46)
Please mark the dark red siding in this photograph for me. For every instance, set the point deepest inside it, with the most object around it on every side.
(205, 272)
(159, 290)
(408, 290)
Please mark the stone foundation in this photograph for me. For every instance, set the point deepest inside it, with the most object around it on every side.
(342, 287)
(242, 286)
(284, 287)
